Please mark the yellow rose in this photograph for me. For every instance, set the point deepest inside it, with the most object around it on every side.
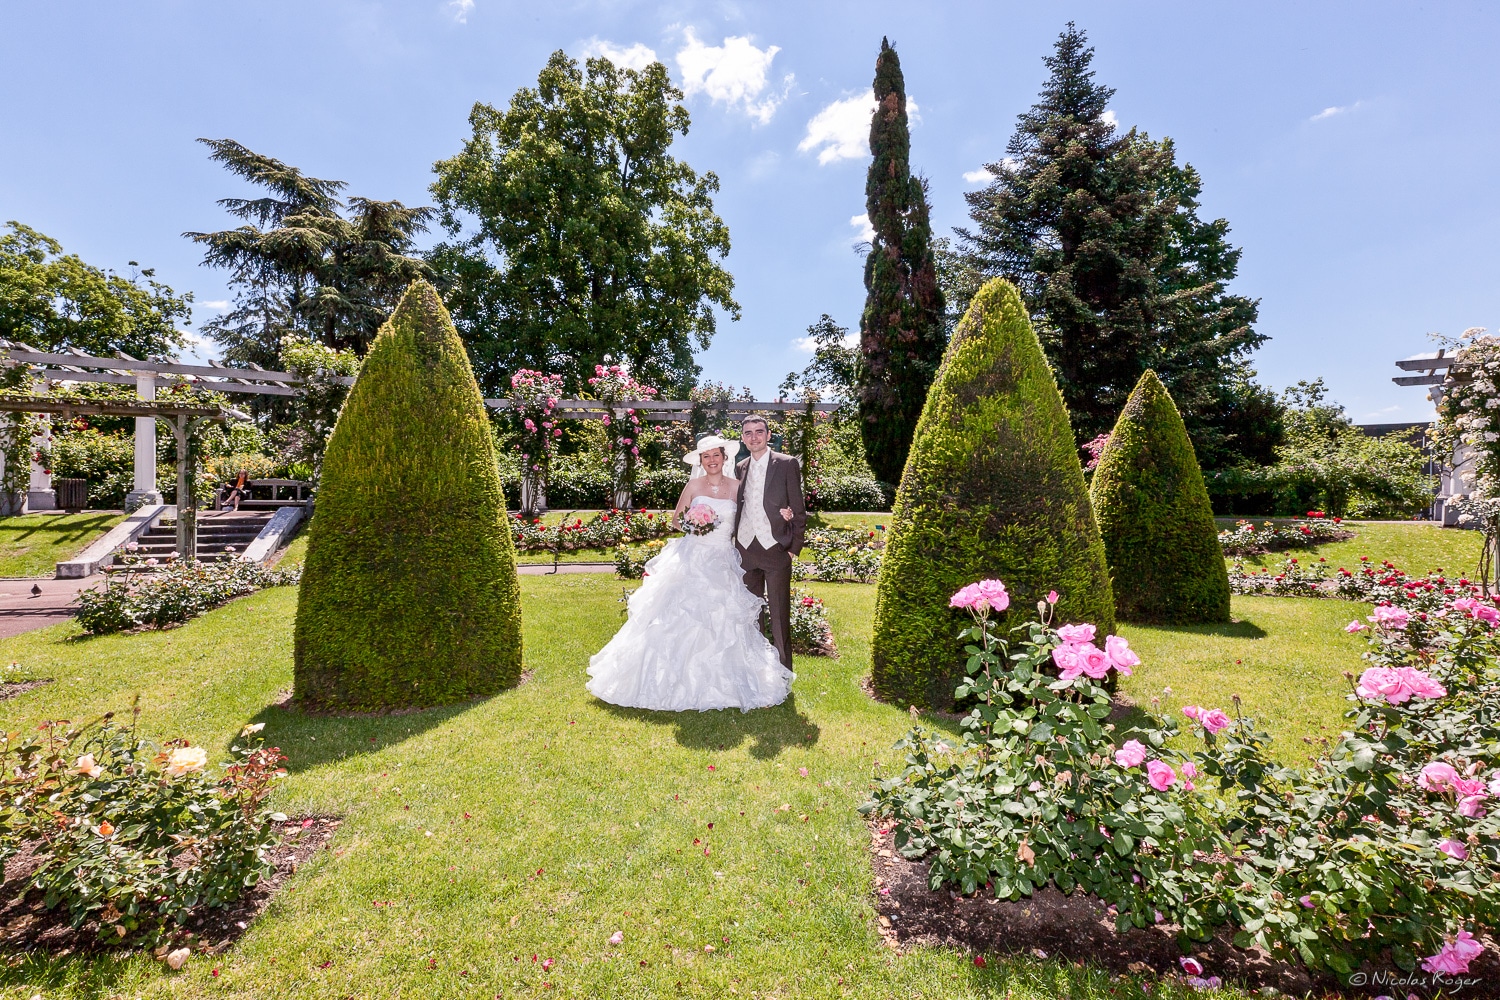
(185, 759)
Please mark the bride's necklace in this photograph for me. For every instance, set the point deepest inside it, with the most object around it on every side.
(714, 488)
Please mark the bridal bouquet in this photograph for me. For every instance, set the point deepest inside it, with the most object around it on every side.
(699, 520)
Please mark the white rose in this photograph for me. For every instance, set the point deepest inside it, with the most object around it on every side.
(185, 759)
(86, 765)
(252, 729)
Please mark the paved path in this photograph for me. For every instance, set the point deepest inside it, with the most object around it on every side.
(20, 611)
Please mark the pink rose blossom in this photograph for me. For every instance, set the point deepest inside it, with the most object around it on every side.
(1214, 720)
(1189, 769)
(1464, 604)
(1191, 966)
(992, 592)
(1307, 902)
(1487, 614)
(1192, 712)
(1131, 754)
(1387, 616)
(1121, 656)
(1437, 777)
(1093, 660)
(1068, 663)
(1076, 633)
(1160, 775)
(1454, 956)
(1397, 684)
(1453, 848)
(1051, 597)
(966, 597)
(1355, 626)
(1472, 806)
(529, 425)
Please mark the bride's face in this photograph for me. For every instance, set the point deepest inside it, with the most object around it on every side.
(713, 461)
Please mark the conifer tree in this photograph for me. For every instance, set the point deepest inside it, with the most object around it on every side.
(902, 332)
(1098, 227)
(993, 489)
(1153, 511)
(410, 596)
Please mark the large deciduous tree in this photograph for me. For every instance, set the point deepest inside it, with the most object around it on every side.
(577, 236)
(1099, 229)
(902, 332)
(304, 262)
(52, 300)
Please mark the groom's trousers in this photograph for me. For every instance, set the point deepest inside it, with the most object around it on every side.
(768, 574)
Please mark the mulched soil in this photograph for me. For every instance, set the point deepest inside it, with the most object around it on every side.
(1078, 928)
(9, 689)
(26, 926)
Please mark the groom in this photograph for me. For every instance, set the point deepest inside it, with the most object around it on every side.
(769, 518)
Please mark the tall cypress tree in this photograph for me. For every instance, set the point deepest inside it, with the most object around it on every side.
(902, 333)
(1099, 230)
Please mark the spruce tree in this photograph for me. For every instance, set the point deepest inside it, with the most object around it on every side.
(902, 331)
(409, 596)
(1099, 230)
(993, 489)
(1159, 533)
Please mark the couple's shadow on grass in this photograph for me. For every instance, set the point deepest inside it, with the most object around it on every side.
(768, 730)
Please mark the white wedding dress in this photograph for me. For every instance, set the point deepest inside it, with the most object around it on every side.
(693, 639)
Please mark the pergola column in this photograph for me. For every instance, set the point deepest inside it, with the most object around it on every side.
(40, 495)
(145, 491)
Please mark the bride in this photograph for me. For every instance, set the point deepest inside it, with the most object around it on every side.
(693, 640)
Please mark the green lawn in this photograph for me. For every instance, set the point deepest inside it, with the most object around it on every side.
(33, 544)
(584, 817)
(1415, 546)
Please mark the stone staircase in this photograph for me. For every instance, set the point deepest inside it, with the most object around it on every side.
(219, 532)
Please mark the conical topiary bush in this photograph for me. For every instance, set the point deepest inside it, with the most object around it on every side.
(1154, 513)
(992, 489)
(409, 596)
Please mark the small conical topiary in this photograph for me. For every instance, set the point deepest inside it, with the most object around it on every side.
(992, 489)
(1154, 513)
(409, 596)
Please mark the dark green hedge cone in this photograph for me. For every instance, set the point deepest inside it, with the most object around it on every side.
(1153, 511)
(409, 596)
(992, 489)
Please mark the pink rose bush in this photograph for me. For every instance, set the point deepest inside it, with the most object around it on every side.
(1395, 810)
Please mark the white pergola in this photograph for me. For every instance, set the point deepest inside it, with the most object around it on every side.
(149, 375)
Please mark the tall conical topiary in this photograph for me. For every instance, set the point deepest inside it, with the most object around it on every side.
(992, 489)
(409, 596)
(1153, 511)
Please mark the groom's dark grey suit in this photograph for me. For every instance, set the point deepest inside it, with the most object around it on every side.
(768, 570)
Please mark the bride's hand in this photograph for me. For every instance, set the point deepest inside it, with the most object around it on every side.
(786, 513)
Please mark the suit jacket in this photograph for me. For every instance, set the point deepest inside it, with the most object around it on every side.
(783, 489)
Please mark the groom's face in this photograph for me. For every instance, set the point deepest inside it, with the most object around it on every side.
(755, 436)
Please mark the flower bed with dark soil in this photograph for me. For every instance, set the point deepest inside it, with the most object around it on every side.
(11, 689)
(26, 926)
(1079, 928)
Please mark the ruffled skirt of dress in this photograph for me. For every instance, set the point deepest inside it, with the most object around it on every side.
(693, 639)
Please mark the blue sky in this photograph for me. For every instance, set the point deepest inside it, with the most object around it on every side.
(1352, 147)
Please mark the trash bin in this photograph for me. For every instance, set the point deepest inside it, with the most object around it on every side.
(72, 494)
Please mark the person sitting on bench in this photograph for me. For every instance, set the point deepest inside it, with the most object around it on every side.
(236, 493)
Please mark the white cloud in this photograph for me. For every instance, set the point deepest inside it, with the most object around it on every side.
(807, 344)
(979, 176)
(219, 304)
(460, 9)
(735, 73)
(1109, 116)
(1335, 111)
(636, 57)
(862, 223)
(841, 131)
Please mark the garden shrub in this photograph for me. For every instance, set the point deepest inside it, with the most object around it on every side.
(1388, 842)
(993, 487)
(107, 461)
(604, 530)
(1246, 539)
(811, 633)
(848, 493)
(1160, 539)
(134, 836)
(839, 554)
(173, 594)
(409, 594)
